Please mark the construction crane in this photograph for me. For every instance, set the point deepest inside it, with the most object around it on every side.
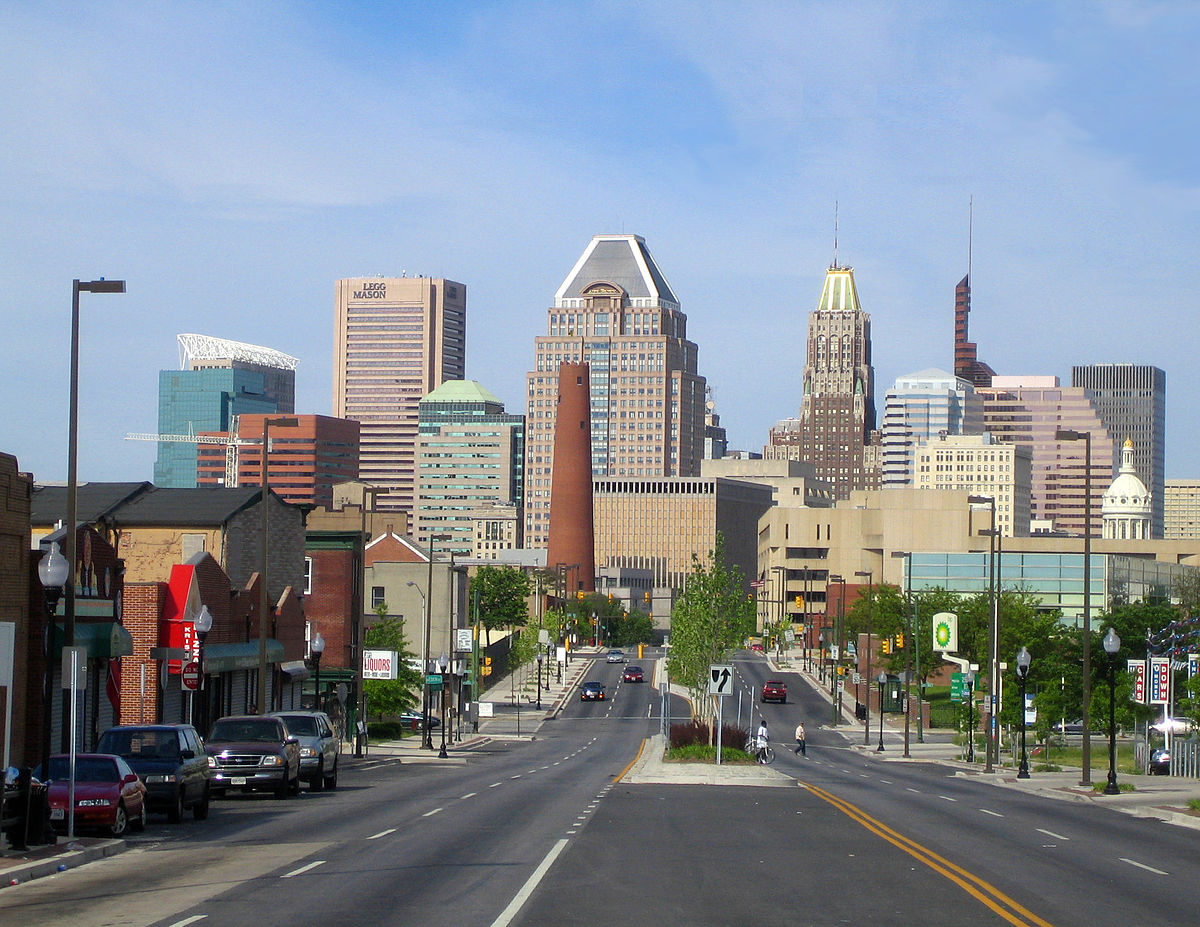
(231, 441)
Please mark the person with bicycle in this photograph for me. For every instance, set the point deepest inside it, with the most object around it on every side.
(762, 740)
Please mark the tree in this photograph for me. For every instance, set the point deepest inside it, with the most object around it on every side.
(500, 597)
(709, 619)
(389, 697)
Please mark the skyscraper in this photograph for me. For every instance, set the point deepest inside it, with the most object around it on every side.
(616, 312)
(918, 408)
(966, 364)
(218, 380)
(470, 456)
(1132, 402)
(395, 340)
(835, 430)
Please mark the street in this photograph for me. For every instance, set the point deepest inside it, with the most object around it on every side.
(538, 832)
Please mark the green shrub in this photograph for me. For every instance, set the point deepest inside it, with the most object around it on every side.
(385, 730)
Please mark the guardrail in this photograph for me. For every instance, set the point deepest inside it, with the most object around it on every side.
(1185, 758)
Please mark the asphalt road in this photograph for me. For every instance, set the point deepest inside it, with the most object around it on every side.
(537, 833)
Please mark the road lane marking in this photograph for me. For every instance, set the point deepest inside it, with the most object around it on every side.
(494, 784)
(1050, 833)
(303, 869)
(382, 833)
(886, 781)
(915, 791)
(517, 776)
(983, 891)
(468, 795)
(995, 814)
(189, 920)
(1134, 862)
(947, 798)
(531, 883)
(429, 814)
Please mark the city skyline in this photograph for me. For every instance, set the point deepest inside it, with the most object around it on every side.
(261, 154)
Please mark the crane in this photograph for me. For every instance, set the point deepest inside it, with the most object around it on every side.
(231, 441)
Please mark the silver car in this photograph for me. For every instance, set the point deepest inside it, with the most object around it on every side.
(615, 656)
(319, 746)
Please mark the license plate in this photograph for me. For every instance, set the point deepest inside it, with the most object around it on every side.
(237, 780)
(57, 814)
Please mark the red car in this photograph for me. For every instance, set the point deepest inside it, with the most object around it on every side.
(109, 796)
(774, 690)
(632, 674)
(757, 648)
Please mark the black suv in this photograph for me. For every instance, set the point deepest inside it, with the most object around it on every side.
(170, 759)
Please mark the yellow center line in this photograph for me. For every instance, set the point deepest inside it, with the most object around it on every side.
(972, 884)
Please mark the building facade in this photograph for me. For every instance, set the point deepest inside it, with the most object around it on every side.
(470, 454)
(616, 312)
(835, 430)
(967, 365)
(1131, 400)
(218, 381)
(981, 466)
(395, 340)
(1181, 510)
(918, 408)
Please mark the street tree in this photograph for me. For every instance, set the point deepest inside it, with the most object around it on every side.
(500, 595)
(390, 697)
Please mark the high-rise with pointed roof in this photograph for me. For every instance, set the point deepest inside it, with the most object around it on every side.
(835, 430)
(966, 363)
(616, 312)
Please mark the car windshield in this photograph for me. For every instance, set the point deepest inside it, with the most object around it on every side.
(302, 725)
(87, 769)
(246, 729)
(140, 745)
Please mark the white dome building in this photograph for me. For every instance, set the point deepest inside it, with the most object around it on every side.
(1126, 509)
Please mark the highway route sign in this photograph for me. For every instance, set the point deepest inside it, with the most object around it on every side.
(720, 679)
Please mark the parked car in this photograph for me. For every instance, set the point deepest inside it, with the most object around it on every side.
(591, 692)
(632, 674)
(615, 656)
(1160, 762)
(1174, 726)
(109, 796)
(774, 690)
(254, 752)
(416, 720)
(319, 747)
(757, 647)
(170, 760)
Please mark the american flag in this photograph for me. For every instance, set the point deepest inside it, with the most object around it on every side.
(757, 583)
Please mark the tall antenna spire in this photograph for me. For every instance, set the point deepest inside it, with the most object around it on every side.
(970, 232)
(835, 233)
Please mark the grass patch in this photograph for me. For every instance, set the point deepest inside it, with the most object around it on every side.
(1193, 804)
(1122, 786)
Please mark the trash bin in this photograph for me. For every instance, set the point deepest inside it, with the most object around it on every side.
(860, 711)
(38, 829)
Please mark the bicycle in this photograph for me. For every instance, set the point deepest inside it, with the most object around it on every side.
(765, 754)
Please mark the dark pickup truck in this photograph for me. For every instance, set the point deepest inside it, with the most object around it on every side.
(254, 753)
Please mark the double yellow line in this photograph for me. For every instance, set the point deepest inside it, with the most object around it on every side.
(970, 883)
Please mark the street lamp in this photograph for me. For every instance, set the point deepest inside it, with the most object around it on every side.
(263, 595)
(882, 680)
(782, 595)
(835, 695)
(203, 624)
(53, 570)
(427, 740)
(443, 667)
(539, 682)
(1112, 645)
(914, 646)
(1023, 661)
(992, 744)
(317, 646)
(1064, 434)
(360, 629)
(867, 707)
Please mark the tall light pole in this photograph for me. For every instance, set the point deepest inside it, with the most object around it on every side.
(1023, 661)
(913, 644)
(882, 683)
(425, 741)
(203, 623)
(1064, 434)
(867, 706)
(77, 287)
(835, 695)
(782, 594)
(360, 630)
(263, 595)
(1112, 646)
(53, 571)
(993, 632)
(317, 646)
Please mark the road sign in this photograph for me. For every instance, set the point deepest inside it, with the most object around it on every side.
(834, 652)
(463, 639)
(720, 679)
(958, 686)
(856, 678)
(433, 679)
(190, 677)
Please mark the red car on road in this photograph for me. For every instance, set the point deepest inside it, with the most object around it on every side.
(109, 796)
(632, 674)
(774, 690)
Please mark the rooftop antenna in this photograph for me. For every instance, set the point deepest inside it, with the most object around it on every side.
(835, 233)
(970, 233)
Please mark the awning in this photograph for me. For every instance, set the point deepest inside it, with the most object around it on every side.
(101, 638)
(297, 670)
(225, 658)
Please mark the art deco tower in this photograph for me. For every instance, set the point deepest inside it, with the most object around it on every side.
(835, 430)
(616, 313)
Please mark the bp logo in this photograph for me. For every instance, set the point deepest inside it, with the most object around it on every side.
(942, 633)
(945, 631)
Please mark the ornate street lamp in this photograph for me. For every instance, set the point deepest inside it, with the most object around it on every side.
(1112, 646)
(203, 624)
(443, 668)
(867, 708)
(1023, 661)
(317, 646)
(53, 570)
(882, 680)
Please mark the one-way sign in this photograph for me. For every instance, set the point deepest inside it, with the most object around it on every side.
(720, 679)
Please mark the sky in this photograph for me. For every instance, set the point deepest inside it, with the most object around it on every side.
(230, 161)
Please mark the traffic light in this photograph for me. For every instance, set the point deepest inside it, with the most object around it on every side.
(886, 645)
(646, 596)
(579, 595)
(610, 597)
(799, 601)
(841, 670)
(900, 641)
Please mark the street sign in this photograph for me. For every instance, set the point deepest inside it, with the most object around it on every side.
(462, 639)
(74, 658)
(958, 686)
(720, 679)
(485, 710)
(834, 652)
(856, 678)
(1160, 677)
(1137, 669)
(433, 680)
(190, 677)
(789, 635)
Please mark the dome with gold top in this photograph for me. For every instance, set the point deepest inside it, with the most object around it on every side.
(1126, 509)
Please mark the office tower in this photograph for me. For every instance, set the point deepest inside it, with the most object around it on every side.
(835, 430)
(716, 441)
(1181, 510)
(470, 456)
(306, 460)
(966, 365)
(217, 381)
(918, 408)
(1028, 411)
(1132, 402)
(571, 539)
(616, 312)
(395, 340)
(980, 465)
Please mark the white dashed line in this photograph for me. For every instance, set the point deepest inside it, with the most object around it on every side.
(1134, 862)
(517, 776)
(886, 781)
(915, 791)
(429, 814)
(189, 920)
(382, 833)
(1050, 833)
(494, 784)
(321, 862)
(468, 795)
(995, 814)
(947, 798)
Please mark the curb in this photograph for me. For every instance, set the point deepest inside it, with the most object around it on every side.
(24, 871)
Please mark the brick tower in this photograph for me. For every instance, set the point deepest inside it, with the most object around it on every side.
(572, 541)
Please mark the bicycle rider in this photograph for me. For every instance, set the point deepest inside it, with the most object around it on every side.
(761, 738)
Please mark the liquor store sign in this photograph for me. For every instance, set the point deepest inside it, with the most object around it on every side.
(380, 664)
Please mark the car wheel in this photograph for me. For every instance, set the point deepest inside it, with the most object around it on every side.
(318, 781)
(783, 701)
(175, 812)
(200, 809)
(120, 822)
(331, 779)
(296, 784)
(139, 823)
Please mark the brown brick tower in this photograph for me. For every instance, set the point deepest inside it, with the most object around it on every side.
(572, 540)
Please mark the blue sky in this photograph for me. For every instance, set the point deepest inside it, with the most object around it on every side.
(232, 160)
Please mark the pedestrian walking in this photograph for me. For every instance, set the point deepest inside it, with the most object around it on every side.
(800, 740)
